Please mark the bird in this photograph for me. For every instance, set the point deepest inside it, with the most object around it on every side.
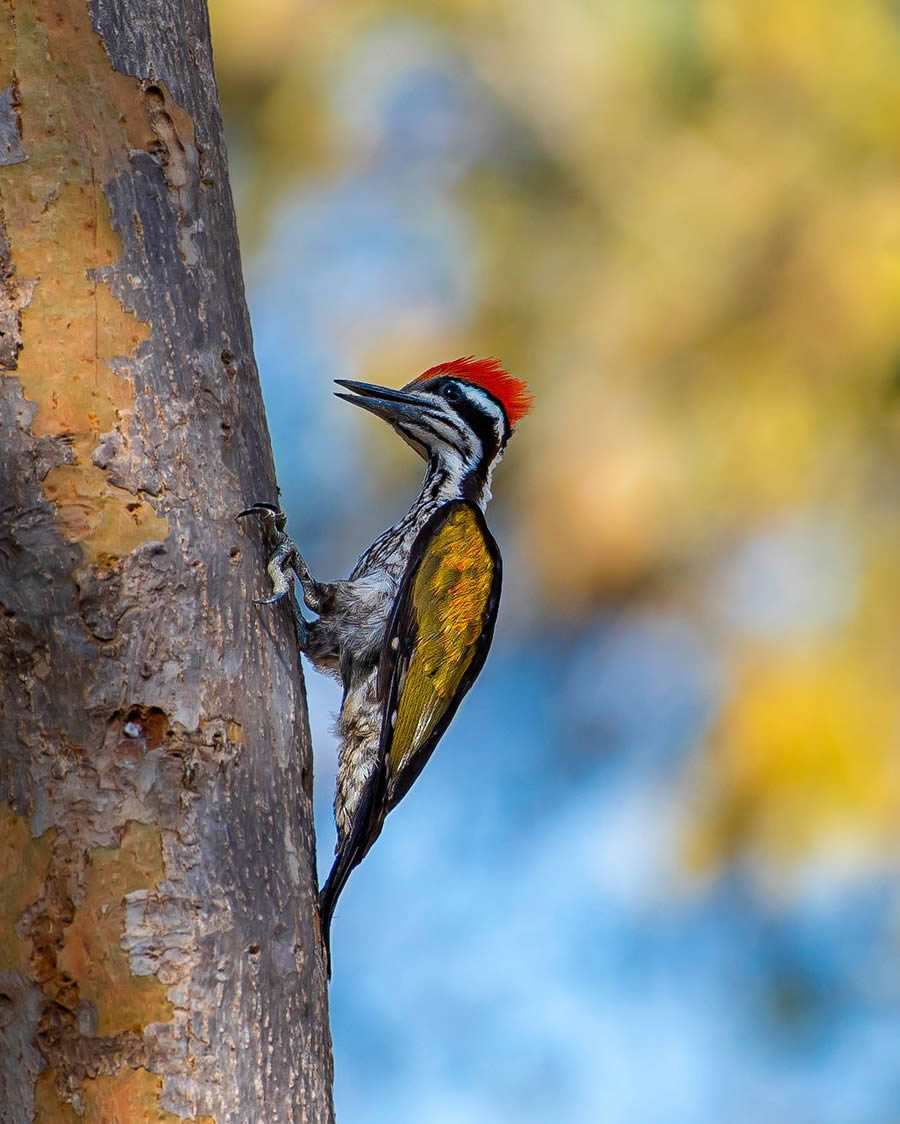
(408, 632)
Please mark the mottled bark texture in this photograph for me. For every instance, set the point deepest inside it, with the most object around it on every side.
(158, 950)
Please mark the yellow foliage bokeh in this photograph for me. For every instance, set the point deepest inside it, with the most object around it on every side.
(696, 265)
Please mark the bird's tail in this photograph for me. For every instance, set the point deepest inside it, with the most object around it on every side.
(366, 828)
(343, 864)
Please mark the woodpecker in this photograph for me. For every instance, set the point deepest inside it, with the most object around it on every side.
(408, 632)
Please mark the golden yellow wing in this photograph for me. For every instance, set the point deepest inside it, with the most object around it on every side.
(438, 637)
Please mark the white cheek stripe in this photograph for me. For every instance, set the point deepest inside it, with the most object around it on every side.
(480, 398)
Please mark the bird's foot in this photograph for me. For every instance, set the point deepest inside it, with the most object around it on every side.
(283, 550)
(284, 561)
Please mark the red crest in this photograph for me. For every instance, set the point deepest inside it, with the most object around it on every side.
(512, 394)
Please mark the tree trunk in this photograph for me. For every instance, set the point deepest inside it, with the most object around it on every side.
(158, 946)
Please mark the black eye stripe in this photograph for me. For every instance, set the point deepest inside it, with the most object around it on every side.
(480, 422)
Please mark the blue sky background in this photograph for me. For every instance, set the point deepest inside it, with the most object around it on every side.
(526, 942)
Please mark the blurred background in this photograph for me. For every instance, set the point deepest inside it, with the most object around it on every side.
(651, 873)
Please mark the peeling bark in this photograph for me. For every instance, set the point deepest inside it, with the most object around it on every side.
(158, 950)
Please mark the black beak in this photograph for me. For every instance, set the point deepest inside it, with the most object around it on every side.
(392, 405)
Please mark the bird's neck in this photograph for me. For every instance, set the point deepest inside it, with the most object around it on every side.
(448, 477)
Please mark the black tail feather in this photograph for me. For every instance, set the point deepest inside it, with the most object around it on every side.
(367, 824)
(347, 858)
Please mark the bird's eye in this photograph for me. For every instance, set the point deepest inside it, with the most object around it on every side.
(452, 392)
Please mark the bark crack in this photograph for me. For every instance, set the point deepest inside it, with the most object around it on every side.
(15, 295)
(180, 160)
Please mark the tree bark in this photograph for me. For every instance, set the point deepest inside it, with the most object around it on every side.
(158, 945)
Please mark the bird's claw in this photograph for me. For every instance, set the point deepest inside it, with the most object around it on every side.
(274, 519)
(283, 553)
(269, 600)
(284, 561)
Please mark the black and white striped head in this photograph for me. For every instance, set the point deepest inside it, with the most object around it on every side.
(457, 416)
